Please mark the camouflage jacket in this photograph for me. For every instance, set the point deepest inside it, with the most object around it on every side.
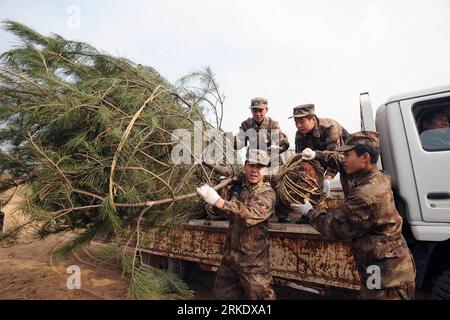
(263, 134)
(328, 135)
(248, 210)
(369, 219)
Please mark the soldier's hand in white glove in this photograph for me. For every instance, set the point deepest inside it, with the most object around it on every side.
(208, 194)
(308, 154)
(326, 187)
(302, 209)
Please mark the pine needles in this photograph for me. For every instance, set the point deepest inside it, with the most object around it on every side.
(146, 282)
(91, 136)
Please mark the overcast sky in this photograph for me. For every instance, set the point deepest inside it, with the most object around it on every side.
(292, 52)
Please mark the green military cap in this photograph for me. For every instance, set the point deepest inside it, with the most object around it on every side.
(258, 102)
(303, 110)
(256, 156)
(361, 138)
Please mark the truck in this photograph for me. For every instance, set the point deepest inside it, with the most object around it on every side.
(302, 258)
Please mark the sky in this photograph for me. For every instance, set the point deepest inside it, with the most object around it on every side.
(291, 52)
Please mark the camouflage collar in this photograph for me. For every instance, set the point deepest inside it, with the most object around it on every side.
(316, 133)
(252, 187)
(361, 177)
(264, 124)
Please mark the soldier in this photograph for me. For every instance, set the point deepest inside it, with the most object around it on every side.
(316, 134)
(369, 219)
(245, 267)
(260, 131)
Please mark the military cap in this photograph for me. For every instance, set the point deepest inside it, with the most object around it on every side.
(361, 138)
(258, 102)
(303, 110)
(257, 156)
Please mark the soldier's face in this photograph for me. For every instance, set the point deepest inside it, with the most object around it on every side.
(305, 125)
(254, 173)
(259, 114)
(353, 163)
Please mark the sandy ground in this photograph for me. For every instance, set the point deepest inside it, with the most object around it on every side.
(28, 271)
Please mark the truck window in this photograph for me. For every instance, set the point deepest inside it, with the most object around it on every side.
(432, 120)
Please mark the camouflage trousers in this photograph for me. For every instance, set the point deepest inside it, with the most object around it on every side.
(403, 293)
(232, 285)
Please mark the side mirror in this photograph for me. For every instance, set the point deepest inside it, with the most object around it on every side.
(367, 119)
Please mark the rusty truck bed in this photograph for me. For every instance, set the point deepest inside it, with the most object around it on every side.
(298, 253)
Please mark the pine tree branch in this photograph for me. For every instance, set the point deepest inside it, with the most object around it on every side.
(50, 160)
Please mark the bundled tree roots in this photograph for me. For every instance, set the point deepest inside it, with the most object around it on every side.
(298, 180)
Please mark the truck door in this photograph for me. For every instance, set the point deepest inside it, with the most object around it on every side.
(429, 152)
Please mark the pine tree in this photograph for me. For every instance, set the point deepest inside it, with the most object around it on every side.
(90, 135)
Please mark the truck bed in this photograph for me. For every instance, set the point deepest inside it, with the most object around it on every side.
(298, 253)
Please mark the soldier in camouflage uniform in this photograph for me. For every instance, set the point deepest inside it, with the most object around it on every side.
(369, 219)
(245, 268)
(256, 132)
(317, 134)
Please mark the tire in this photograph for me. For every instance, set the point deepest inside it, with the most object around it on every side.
(441, 287)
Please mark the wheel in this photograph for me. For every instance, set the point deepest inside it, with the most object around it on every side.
(441, 288)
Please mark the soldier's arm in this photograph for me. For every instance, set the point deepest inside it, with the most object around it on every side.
(332, 138)
(257, 212)
(332, 160)
(352, 219)
(332, 141)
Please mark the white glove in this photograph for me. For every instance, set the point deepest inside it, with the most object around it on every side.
(308, 154)
(302, 208)
(326, 187)
(208, 194)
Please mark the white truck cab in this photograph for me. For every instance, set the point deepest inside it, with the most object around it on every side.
(418, 160)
